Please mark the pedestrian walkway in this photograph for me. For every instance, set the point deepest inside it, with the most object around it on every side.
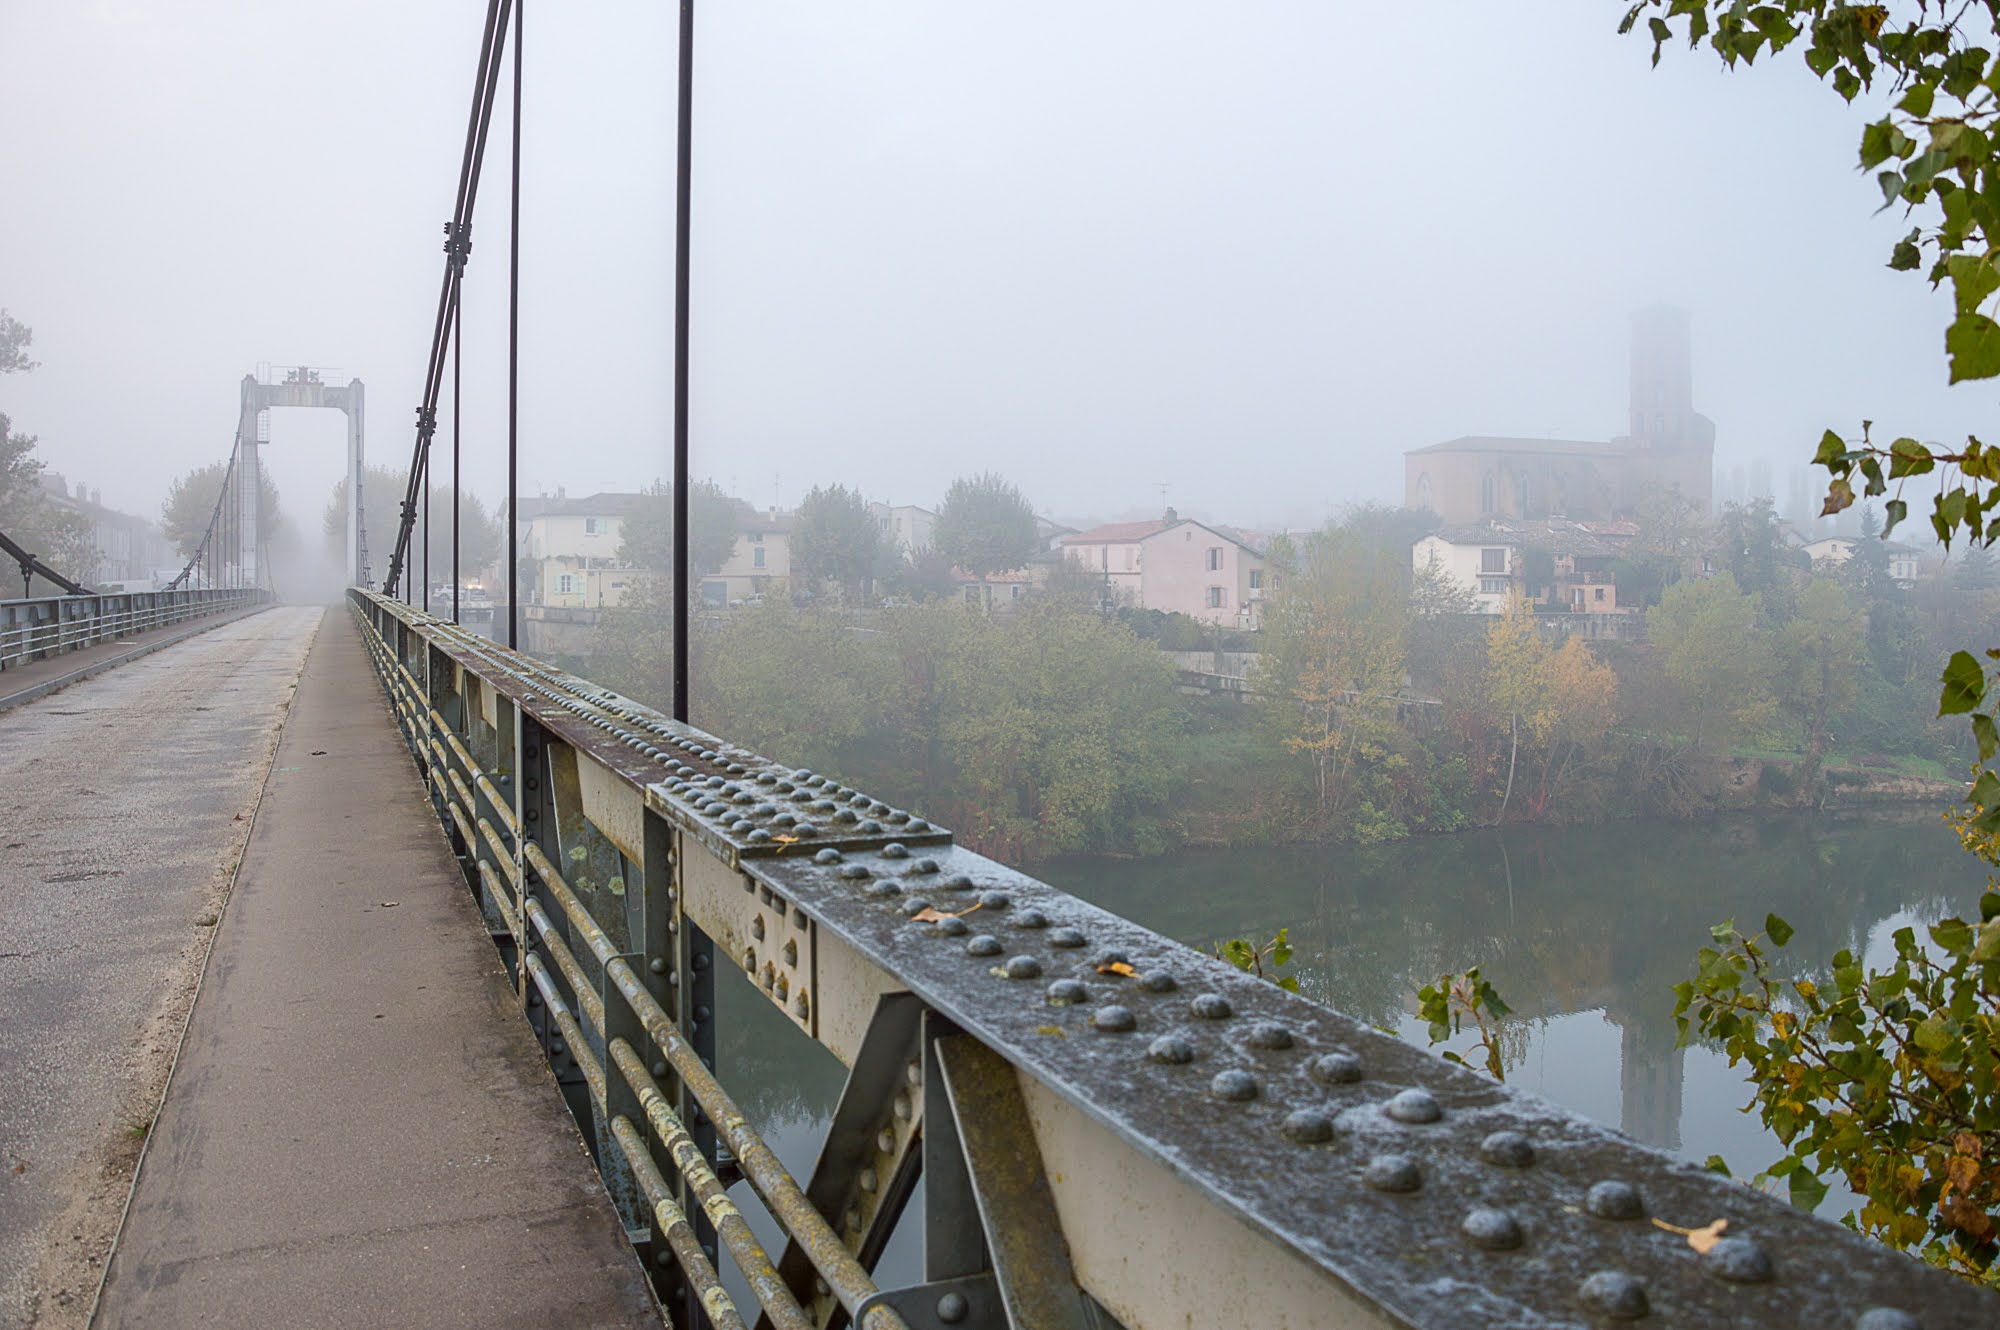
(360, 1130)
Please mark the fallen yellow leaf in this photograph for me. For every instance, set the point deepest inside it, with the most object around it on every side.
(930, 915)
(1118, 968)
(1701, 1239)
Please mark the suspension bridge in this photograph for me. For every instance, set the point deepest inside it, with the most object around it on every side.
(427, 945)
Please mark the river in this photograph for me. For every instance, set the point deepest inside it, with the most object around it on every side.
(1583, 930)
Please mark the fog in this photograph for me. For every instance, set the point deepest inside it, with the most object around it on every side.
(1249, 255)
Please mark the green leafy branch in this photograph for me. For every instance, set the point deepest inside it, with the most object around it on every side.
(1453, 1000)
(1888, 1079)
(1251, 958)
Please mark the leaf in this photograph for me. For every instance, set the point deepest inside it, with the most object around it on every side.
(1705, 1237)
(1894, 511)
(1119, 968)
(930, 915)
(1907, 457)
(1989, 738)
(1973, 278)
(1973, 343)
(1780, 931)
(1805, 1190)
(1964, 684)
(1839, 498)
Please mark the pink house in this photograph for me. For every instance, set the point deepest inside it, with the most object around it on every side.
(1176, 565)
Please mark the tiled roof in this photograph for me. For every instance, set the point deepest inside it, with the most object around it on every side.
(1116, 533)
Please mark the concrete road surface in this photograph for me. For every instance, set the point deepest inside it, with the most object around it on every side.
(124, 803)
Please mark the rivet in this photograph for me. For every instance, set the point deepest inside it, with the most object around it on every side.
(994, 900)
(957, 882)
(915, 905)
(1170, 1049)
(1115, 1020)
(867, 1179)
(855, 872)
(1112, 957)
(659, 1068)
(1067, 938)
(1158, 981)
(827, 856)
(1211, 1006)
(750, 961)
(1392, 1172)
(1413, 1106)
(1507, 1149)
(902, 1106)
(883, 887)
(983, 945)
(1613, 1199)
(952, 1308)
(1023, 967)
(924, 866)
(1493, 1229)
(952, 926)
(1336, 1069)
(1307, 1126)
(791, 953)
(1614, 1294)
(918, 824)
(1235, 1085)
(1269, 1034)
(1066, 992)
(886, 1142)
(1738, 1260)
(913, 1072)
(1031, 919)
(658, 966)
(1887, 1318)
(701, 962)
(757, 928)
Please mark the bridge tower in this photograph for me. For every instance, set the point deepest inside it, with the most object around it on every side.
(302, 386)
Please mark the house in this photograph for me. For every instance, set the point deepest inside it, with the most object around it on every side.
(1830, 552)
(125, 551)
(999, 590)
(1176, 565)
(1558, 564)
(760, 562)
(573, 544)
(906, 526)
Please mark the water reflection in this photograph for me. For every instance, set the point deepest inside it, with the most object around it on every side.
(1579, 928)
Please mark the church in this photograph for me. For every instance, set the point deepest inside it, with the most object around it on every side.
(1670, 444)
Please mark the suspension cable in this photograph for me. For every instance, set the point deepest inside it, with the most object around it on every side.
(486, 82)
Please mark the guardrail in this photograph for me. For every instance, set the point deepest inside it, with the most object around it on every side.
(44, 626)
(1105, 1127)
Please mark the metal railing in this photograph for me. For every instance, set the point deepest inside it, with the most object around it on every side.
(1105, 1127)
(44, 626)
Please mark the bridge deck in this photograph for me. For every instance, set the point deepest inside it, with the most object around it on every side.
(360, 1130)
(33, 679)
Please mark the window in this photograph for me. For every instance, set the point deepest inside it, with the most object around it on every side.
(1492, 586)
(756, 538)
(1215, 559)
(757, 557)
(1256, 579)
(1599, 595)
(593, 526)
(1217, 597)
(1486, 494)
(1015, 590)
(565, 584)
(1493, 561)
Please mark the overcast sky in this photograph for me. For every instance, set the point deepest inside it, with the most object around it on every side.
(1250, 252)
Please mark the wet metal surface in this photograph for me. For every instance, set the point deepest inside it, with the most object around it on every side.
(1423, 1191)
(119, 805)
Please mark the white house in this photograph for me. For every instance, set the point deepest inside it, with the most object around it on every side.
(574, 546)
(907, 526)
(1833, 551)
(1176, 565)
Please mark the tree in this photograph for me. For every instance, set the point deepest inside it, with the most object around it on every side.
(985, 525)
(835, 539)
(646, 538)
(480, 532)
(1335, 635)
(1751, 549)
(57, 537)
(15, 339)
(1714, 653)
(1820, 655)
(1516, 683)
(190, 505)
